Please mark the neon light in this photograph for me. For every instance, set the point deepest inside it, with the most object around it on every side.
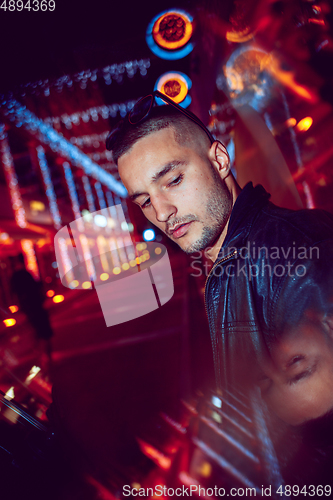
(114, 72)
(93, 114)
(58, 298)
(305, 124)
(21, 116)
(114, 253)
(11, 178)
(9, 322)
(102, 248)
(66, 261)
(109, 199)
(49, 187)
(28, 249)
(183, 99)
(87, 257)
(100, 195)
(87, 140)
(169, 25)
(89, 195)
(167, 54)
(73, 194)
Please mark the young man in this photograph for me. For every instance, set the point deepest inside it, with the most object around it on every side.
(272, 278)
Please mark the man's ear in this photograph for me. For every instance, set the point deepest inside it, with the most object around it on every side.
(219, 157)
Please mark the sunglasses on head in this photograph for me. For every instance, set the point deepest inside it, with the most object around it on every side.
(141, 111)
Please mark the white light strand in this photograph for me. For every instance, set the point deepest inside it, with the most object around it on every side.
(92, 140)
(104, 155)
(66, 261)
(73, 194)
(21, 116)
(94, 114)
(109, 199)
(49, 187)
(100, 195)
(114, 72)
(89, 195)
(28, 248)
(11, 179)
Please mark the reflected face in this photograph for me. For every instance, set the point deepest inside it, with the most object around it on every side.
(297, 384)
(177, 188)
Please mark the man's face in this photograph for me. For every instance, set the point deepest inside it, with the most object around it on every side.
(177, 189)
(297, 383)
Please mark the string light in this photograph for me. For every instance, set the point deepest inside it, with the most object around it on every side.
(109, 199)
(28, 249)
(66, 261)
(89, 195)
(21, 116)
(49, 187)
(73, 194)
(11, 179)
(87, 257)
(114, 72)
(101, 156)
(94, 114)
(100, 195)
(90, 140)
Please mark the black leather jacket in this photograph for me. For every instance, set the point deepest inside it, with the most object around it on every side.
(275, 264)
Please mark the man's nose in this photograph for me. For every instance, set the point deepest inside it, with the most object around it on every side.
(164, 209)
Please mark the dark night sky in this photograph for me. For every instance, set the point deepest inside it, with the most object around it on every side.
(76, 36)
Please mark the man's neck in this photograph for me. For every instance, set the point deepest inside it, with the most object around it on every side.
(213, 252)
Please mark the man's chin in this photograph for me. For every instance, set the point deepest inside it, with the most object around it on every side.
(192, 247)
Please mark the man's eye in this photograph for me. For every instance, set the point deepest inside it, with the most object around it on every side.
(176, 181)
(146, 203)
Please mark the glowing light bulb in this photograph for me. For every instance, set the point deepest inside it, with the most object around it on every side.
(305, 124)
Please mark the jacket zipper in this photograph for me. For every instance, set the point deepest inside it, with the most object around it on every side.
(210, 272)
(212, 269)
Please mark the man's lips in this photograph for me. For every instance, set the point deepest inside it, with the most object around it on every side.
(180, 230)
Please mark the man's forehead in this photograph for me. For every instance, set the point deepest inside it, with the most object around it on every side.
(164, 138)
(149, 154)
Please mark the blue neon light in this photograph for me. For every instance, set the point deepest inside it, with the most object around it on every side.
(148, 235)
(187, 101)
(49, 187)
(21, 116)
(167, 54)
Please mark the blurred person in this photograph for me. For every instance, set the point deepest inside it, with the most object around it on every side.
(270, 263)
(30, 299)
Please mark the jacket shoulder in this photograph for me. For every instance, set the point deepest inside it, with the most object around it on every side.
(307, 226)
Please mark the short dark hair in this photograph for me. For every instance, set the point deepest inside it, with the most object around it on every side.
(159, 118)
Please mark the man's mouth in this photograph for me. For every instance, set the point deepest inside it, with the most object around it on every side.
(179, 230)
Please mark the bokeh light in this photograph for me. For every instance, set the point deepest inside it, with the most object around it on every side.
(149, 235)
(58, 298)
(305, 124)
(9, 322)
(86, 285)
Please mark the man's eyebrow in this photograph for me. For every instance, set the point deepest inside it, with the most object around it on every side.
(169, 167)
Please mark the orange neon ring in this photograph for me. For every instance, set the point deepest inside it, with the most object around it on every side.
(169, 77)
(179, 43)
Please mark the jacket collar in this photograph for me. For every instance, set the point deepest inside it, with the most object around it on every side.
(247, 205)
